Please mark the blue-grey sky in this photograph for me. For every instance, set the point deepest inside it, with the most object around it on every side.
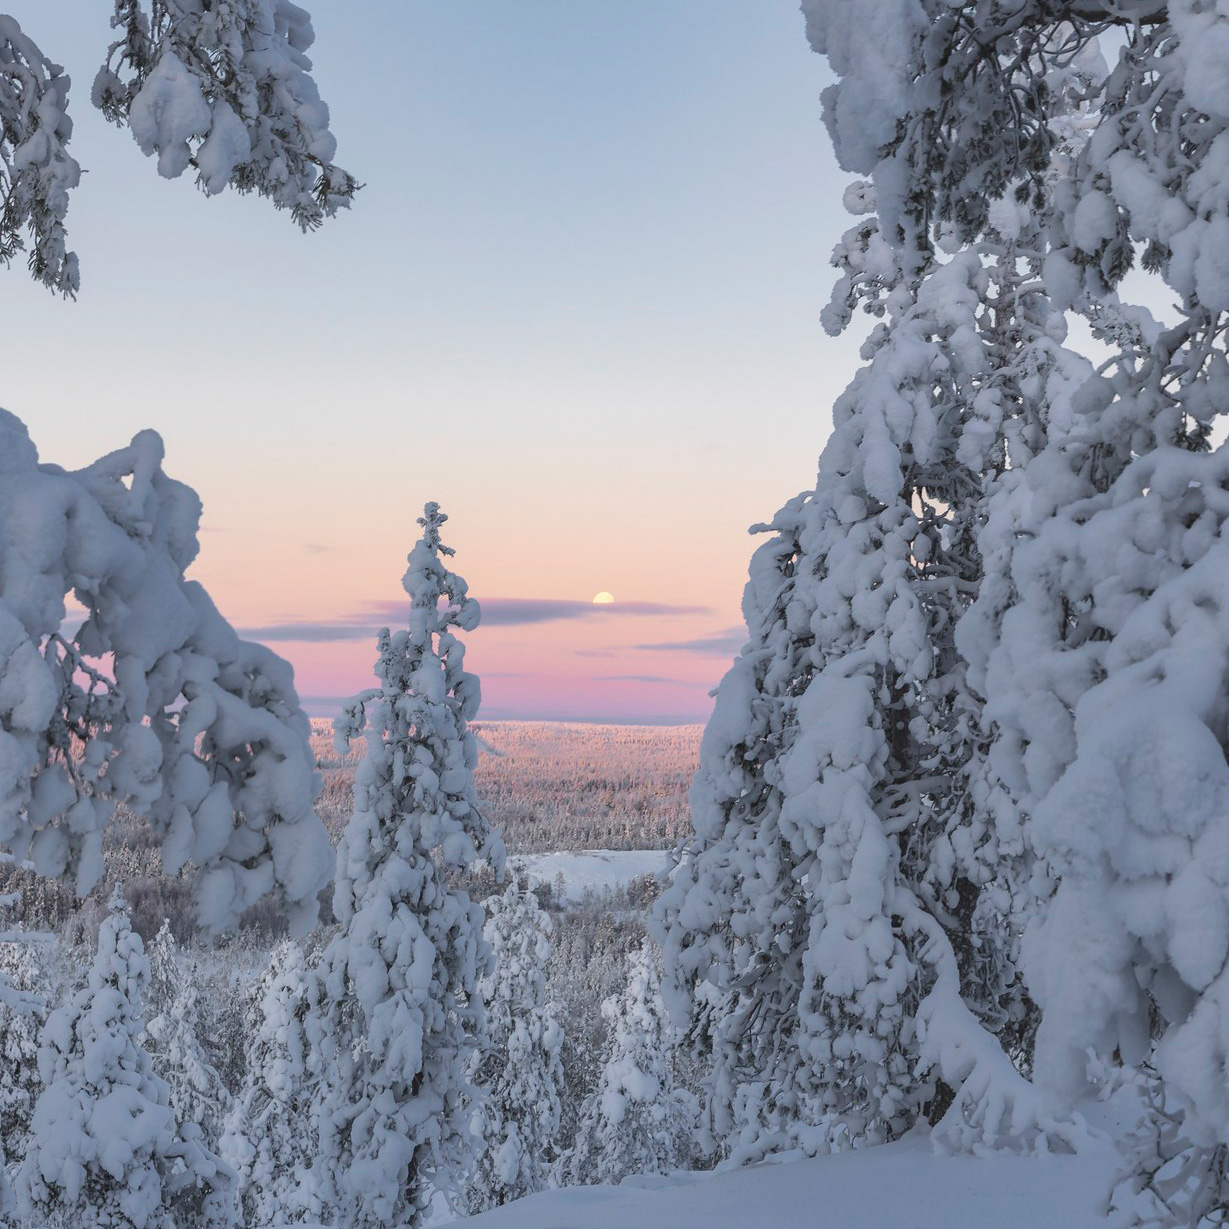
(577, 303)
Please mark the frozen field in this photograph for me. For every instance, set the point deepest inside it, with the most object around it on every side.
(595, 870)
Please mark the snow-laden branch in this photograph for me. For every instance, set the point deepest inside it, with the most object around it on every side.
(223, 87)
(227, 90)
(154, 702)
(995, 1108)
(36, 171)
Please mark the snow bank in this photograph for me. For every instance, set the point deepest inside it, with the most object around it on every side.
(902, 1184)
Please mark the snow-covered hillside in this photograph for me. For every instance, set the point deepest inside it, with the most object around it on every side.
(904, 1185)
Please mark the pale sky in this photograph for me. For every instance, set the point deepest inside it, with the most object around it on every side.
(577, 303)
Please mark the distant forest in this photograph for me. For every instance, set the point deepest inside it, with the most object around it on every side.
(551, 786)
(547, 786)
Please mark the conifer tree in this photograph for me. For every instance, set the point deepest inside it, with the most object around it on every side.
(636, 1121)
(519, 1075)
(198, 1095)
(105, 1149)
(733, 919)
(855, 770)
(20, 1025)
(1116, 729)
(266, 1139)
(888, 1008)
(1099, 641)
(397, 1013)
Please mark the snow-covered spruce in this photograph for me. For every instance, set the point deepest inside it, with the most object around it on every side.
(1131, 803)
(23, 1011)
(266, 1139)
(636, 1121)
(397, 1013)
(733, 920)
(519, 1075)
(173, 1039)
(227, 90)
(105, 1150)
(152, 701)
(1099, 638)
(21, 1021)
(829, 933)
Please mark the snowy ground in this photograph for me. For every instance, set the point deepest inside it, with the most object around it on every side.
(897, 1186)
(592, 869)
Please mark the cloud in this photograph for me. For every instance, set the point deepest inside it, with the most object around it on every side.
(513, 611)
(648, 678)
(716, 644)
(496, 612)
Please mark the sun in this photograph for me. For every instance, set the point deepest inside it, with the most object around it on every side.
(603, 598)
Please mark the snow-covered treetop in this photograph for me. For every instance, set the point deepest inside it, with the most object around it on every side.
(425, 701)
(222, 86)
(153, 701)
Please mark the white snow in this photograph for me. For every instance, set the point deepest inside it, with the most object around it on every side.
(902, 1184)
(172, 714)
(395, 1016)
(592, 870)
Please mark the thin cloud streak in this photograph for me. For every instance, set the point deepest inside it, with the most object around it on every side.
(648, 678)
(717, 644)
(496, 612)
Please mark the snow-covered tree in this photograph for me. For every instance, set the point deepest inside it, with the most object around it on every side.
(518, 1076)
(398, 1012)
(267, 1140)
(733, 919)
(152, 701)
(843, 933)
(226, 88)
(105, 1150)
(173, 1038)
(165, 972)
(221, 86)
(636, 1121)
(1089, 766)
(38, 172)
(23, 1011)
(20, 1025)
(826, 932)
(1104, 668)
(1130, 802)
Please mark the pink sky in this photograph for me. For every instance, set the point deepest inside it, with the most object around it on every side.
(543, 650)
(577, 304)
